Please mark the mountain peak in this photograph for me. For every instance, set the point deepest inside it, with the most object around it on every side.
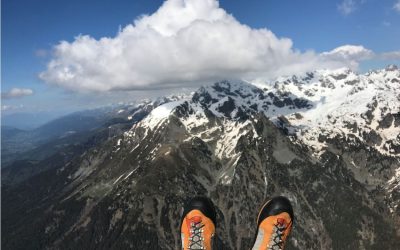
(324, 100)
(391, 67)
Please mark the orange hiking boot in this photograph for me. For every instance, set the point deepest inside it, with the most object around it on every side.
(198, 224)
(274, 224)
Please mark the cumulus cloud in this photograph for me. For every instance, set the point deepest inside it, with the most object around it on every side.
(396, 6)
(352, 54)
(16, 93)
(183, 43)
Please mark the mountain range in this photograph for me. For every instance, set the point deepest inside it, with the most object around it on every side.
(329, 140)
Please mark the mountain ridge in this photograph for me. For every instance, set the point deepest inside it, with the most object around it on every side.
(239, 144)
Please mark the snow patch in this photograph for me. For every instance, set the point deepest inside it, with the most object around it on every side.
(159, 114)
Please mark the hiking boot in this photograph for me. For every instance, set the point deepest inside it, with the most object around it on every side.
(274, 223)
(198, 224)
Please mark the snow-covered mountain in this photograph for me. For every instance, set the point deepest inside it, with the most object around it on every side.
(329, 140)
(357, 117)
(319, 104)
(313, 109)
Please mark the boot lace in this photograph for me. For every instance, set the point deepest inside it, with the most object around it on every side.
(277, 242)
(196, 239)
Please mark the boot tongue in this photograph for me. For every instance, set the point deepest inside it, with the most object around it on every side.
(196, 219)
(281, 221)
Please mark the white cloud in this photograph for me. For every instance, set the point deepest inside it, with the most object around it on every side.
(6, 108)
(393, 55)
(16, 93)
(396, 6)
(347, 7)
(352, 54)
(183, 43)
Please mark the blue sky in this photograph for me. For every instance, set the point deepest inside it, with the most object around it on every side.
(32, 29)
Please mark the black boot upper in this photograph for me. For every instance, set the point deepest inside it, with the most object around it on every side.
(276, 206)
(202, 204)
